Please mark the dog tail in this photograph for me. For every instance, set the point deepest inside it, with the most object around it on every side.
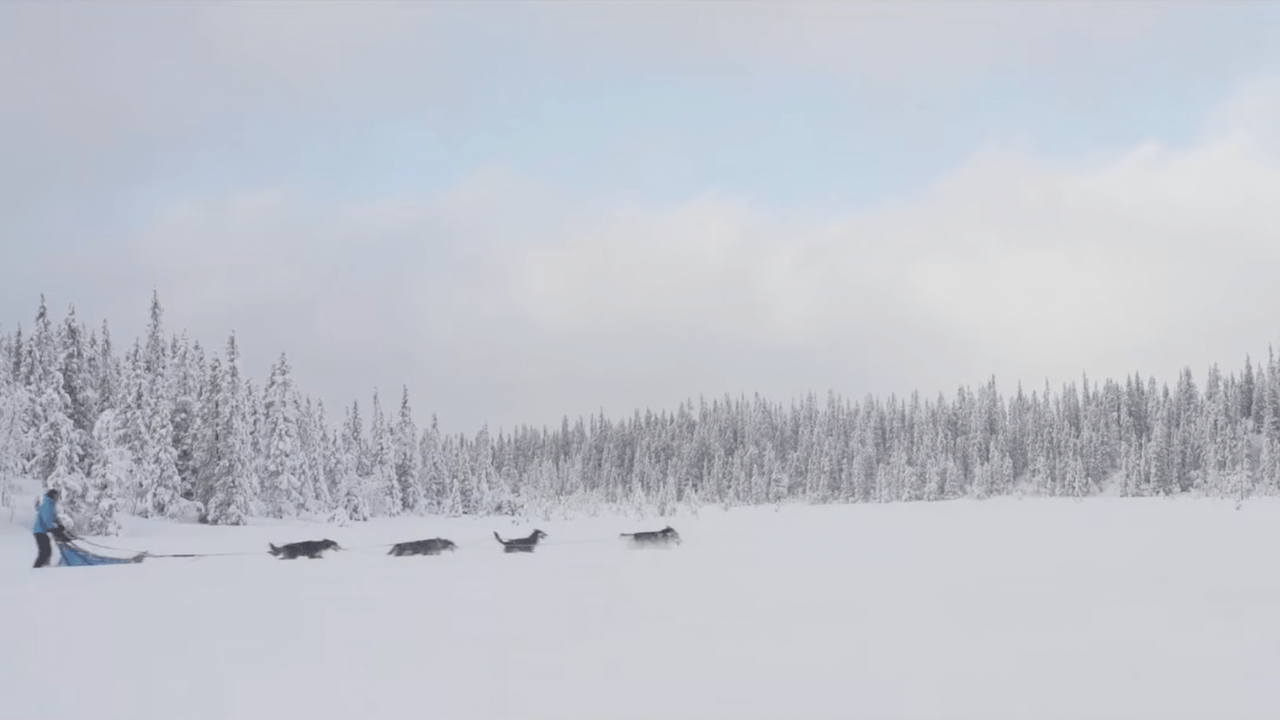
(622, 535)
(498, 537)
(274, 550)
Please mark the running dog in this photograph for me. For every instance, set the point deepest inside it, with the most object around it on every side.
(308, 548)
(521, 544)
(658, 538)
(434, 546)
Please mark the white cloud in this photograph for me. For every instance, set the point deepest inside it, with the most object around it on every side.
(529, 304)
(506, 300)
(510, 300)
(1148, 261)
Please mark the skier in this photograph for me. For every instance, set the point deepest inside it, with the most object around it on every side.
(47, 522)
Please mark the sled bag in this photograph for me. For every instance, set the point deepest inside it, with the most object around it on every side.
(72, 555)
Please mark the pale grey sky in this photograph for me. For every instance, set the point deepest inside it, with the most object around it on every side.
(531, 210)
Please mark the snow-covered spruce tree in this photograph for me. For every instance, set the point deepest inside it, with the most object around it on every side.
(460, 500)
(353, 431)
(407, 458)
(6, 352)
(282, 461)
(13, 360)
(536, 495)
(1162, 445)
(387, 498)
(61, 450)
(211, 445)
(37, 353)
(158, 473)
(433, 477)
(66, 477)
(235, 484)
(186, 375)
(251, 401)
(348, 451)
(347, 504)
(1241, 477)
(454, 450)
(79, 387)
(48, 406)
(1077, 483)
(1262, 422)
(331, 476)
(107, 371)
(1268, 465)
(313, 444)
(12, 399)
(112, 471)
(158, 479)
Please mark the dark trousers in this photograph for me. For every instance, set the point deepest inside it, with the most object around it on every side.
(42, 542)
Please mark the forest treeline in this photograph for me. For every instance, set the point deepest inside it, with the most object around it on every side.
(167, 428)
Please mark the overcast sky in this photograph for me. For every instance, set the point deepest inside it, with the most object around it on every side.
(525, 211)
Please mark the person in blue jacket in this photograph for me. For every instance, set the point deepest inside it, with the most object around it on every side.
(47, 522)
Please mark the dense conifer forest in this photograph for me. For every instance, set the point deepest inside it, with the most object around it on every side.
(168, 428)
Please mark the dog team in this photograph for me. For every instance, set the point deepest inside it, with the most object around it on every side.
(314, 548)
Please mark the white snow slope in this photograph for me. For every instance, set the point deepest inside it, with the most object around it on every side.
(1106, 608)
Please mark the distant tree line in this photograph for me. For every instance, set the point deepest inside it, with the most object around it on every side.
(169, 429)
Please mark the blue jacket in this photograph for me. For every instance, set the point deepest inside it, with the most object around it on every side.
(46, 517)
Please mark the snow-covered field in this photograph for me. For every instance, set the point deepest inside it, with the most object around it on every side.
(1008, 608)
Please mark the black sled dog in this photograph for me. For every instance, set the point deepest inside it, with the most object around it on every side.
(434, 546)
(521, 544)
(307, 548)
(657, 538)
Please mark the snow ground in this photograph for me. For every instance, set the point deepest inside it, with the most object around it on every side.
(1007, 608)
